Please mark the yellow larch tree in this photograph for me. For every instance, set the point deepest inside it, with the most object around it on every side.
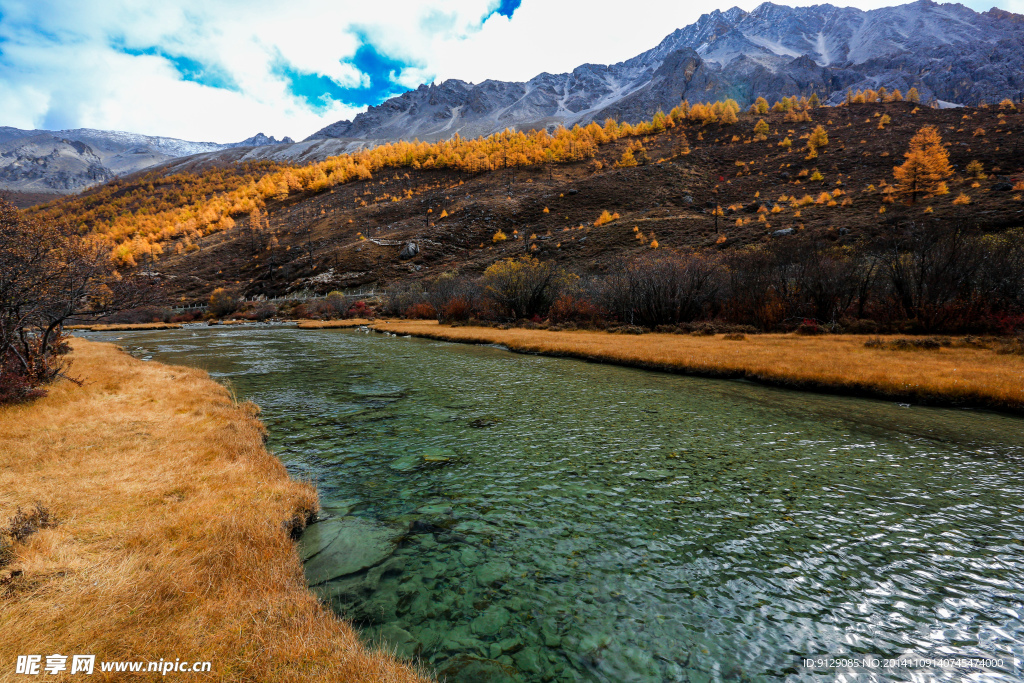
(927, 163)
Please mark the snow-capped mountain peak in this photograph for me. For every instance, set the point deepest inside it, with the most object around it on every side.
(947, 51)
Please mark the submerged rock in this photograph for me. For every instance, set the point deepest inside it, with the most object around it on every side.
(318, 536)
(492, 573)
(491, 621)
(469, 669)
(550, 636)
(349, 545)
(435, 509)
(651, 475)
(470, 557)
(339, 508)
(528, 660)
(342, 592)
(406, 463)
(437, 455)
(399, 641)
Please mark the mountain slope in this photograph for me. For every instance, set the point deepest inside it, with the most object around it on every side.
(67, 161)
(949, 52)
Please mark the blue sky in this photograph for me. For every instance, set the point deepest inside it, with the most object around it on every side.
(227, 69)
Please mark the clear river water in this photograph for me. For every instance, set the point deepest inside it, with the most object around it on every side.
(505, 517)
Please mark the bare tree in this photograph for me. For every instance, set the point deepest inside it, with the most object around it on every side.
(48, 274)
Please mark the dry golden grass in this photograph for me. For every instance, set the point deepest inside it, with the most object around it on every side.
(172, 538)
(125, 327)
(332, 324)
(835, 363)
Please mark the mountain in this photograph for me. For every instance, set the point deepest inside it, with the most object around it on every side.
(951, 53)
(68, 161)
(261, 140)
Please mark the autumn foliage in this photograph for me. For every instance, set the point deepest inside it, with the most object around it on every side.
(927, 163)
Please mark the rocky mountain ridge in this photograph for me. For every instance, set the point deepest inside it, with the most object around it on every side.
(68, 161)
(949, 52)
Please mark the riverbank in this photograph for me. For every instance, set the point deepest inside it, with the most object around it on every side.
(331, 324)
(949, 376)
(125, 327)
(165, 532)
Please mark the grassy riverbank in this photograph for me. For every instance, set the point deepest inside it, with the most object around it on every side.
(957, 375)
(331, 324)
(168, 532)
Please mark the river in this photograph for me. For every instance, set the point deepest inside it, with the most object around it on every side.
(509, 517)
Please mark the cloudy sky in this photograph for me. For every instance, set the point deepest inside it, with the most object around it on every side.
(222, 70)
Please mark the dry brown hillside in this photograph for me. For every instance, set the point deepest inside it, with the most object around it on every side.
(318, 241)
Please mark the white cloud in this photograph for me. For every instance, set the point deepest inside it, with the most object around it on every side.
(61, 64)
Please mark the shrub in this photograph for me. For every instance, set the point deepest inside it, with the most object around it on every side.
(142, 314)
(261, 310)
(24, 523)
(360, 309)
(605, 217)
(1011, 346)
(577, 309)
(421, 311)
(458, 309)
(185, 317)
(662, 288)
(909, 344)
(809, 327)
(15, 384)
(222, 303)
(524, 287)
(401, 296)
(452, 297)
(336, 303)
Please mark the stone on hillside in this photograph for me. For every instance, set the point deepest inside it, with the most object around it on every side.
(409, 250)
